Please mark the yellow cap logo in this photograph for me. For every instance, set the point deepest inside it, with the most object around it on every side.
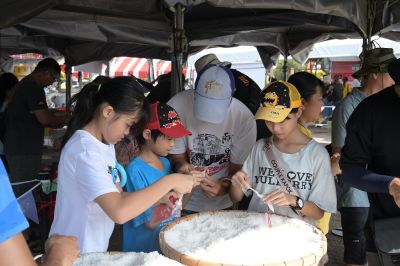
(271, 99)
(214, 87)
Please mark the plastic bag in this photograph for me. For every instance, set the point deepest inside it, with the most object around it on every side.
(163, 212)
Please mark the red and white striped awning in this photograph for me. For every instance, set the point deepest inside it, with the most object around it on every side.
(138, 67)
(161, 67)
(129, 66)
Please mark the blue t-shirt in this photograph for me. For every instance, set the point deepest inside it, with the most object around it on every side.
(12, 220)
(137, 237)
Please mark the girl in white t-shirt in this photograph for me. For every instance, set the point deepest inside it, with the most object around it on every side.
(88, 200)
(304, 162)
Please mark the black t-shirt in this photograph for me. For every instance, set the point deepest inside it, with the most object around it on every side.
(24, 134)
(373, 140)
(249, 93)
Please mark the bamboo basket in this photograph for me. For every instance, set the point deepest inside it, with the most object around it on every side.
(314, 258)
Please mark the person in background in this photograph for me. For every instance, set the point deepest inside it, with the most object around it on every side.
(311, 90)
(303, 161)
(141, 234)
(353, 204)
(161, 92)
(60, 250)
(320, 73)
(223, 132)
(7, 83)
(369, 155)
(346, 87)
(337, 90)
(27, 116)
(89, 197)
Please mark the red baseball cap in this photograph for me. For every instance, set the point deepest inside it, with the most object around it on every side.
(165, 119)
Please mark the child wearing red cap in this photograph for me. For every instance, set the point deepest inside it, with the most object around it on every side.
(155, 142)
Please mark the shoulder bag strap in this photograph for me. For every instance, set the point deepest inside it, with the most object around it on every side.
(278, 171)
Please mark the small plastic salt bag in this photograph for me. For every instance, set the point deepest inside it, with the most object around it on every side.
(176, 212)
(163, 212)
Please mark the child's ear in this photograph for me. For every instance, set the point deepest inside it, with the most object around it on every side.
(108, 111)
(299, 112)
(146, 134)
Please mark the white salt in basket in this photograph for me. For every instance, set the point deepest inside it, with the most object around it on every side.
(242, 238)
(124, 259)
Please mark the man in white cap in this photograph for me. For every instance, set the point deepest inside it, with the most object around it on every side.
(246, 90)
(223, 133)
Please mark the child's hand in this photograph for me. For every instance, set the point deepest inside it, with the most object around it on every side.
(280, 198)
(240, 180)
(213, 188)
(200, 175)
(184, 183)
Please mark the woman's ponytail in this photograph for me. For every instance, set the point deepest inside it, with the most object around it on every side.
(83, 108)
(124, 94)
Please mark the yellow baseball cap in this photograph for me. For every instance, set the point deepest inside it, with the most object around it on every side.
(277, 101)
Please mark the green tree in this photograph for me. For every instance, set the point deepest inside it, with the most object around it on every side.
(293, 66)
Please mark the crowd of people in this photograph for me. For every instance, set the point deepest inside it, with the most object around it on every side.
(202, 150)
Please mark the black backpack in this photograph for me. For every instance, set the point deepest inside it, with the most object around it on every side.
(247, 91)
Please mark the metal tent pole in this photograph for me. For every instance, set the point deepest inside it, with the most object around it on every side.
(285, 67)
(68, 71)
(178, 45)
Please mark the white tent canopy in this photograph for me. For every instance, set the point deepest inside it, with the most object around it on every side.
(243, 58)
(349, 49)
(335, 50)
(241, 54)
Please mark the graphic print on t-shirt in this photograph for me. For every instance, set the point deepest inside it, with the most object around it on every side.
(211, 151)
(299, 180)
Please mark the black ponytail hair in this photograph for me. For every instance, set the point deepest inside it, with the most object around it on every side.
(306, 83)
(124, 94)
